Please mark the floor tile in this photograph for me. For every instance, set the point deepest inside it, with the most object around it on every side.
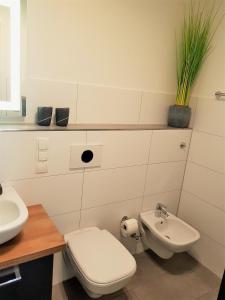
(179, 278)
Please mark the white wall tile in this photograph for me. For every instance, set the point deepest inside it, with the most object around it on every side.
(193, 105)
(66, 223)
(107, 186)
(99, 104)
(59, 149)
(19, 153)
(203, 216)
(209, 253)
(170, 199)
(164, 177)
(206, 184)
(210, 115)
(58, 194)
(109, 216)
(50, 93)
(60, 271)
(165, 145)
(154, 108)
(122, 148)
(208, 150)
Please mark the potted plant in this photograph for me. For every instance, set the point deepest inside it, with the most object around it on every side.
(196, 39)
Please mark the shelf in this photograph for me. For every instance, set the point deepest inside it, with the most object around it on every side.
(84, 127)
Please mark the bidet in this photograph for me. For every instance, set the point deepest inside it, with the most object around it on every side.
(166, 236)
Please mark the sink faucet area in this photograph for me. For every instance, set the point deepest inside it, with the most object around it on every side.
(13, 213)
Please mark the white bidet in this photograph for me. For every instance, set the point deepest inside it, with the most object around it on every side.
(166, 236)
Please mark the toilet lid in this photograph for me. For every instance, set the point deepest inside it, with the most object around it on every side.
(100, 256)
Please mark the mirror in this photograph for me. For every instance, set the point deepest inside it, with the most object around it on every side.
(10, 54)
(4, 53)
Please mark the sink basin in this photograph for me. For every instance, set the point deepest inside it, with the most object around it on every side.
(13, 214)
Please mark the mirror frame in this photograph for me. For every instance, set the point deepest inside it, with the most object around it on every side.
(15, 73)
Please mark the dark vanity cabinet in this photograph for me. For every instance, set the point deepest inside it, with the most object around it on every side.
(26, 262)
(29, 281)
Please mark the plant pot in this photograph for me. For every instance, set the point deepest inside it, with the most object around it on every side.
(179, 116)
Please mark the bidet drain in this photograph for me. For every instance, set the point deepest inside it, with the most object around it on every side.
(167, 237)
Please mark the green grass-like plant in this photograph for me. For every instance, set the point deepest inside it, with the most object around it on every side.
(199, 27)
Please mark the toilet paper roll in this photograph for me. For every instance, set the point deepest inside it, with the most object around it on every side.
(129, 227)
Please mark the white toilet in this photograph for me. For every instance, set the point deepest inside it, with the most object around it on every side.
(100, 262)
(168, 235)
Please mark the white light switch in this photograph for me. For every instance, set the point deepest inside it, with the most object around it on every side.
(42, 155)
(42, 167)
(42, 144)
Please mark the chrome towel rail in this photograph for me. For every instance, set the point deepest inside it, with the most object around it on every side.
(219, 95)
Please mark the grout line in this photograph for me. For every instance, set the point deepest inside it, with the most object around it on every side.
(76, 102)
(210, 238)
(111, 203)
(203, 200)
(208, 133)
(205, 167)
(64, 213)
(89, 170)
(80, 171)
(139, 114)
(182, 184)
(82, 190)
(161, 193)
(195, 113)
(81, 201)
(146, 171)
(92, 170)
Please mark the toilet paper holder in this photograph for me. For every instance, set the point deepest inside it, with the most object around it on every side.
(135, 235)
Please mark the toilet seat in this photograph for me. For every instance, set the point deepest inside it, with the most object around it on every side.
(103, 263)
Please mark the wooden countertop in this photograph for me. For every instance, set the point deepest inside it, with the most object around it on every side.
(38, 238)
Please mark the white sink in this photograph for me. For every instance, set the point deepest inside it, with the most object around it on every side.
(13, 214)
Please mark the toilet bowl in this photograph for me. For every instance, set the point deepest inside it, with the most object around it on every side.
(166, 236)
(99, 261)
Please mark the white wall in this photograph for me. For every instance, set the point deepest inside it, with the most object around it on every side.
(203, 196)
(126, 183)
(109, 61)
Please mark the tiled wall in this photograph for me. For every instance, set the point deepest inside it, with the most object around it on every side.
(97, 104)
(139, 168)
(203, 196)
(106, 60)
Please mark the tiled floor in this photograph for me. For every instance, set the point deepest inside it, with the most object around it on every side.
(180, 278)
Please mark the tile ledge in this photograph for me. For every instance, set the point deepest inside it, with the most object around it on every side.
(89, 127)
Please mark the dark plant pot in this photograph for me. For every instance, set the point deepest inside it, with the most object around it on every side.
(62, 116)
(44, 116)
(179, 116)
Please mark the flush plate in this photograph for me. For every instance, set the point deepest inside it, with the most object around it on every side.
(85, 156)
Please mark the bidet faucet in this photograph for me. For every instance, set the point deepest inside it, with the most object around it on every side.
(161, 211)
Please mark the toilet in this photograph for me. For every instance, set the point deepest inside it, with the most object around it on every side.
(166, 236)
(99, 261)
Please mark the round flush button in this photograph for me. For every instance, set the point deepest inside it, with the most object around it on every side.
(87, 156)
